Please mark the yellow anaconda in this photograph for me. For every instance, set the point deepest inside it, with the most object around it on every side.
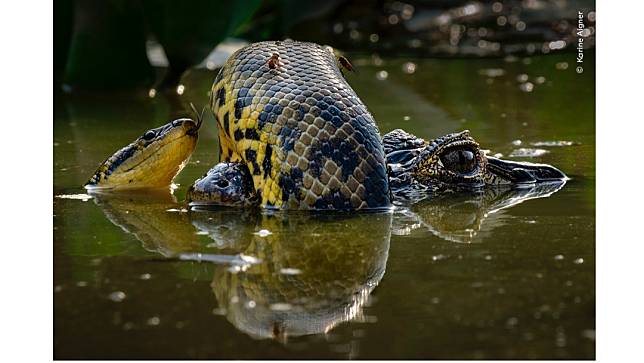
(294, 135)
(285, 111)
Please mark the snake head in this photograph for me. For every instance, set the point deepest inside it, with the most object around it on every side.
(150, 161)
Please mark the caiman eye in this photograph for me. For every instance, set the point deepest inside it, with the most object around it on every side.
(149, 135)
(461, 161)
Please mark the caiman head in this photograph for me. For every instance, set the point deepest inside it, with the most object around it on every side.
(455, 162)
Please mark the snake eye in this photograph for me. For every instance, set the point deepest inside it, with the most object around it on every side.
(461, 161)
(149, 135)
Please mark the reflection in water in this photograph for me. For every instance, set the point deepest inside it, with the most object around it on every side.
(317, 271)
(153, 218)
(292, 274)
(228, 227)
(460, 218)
(277, 274)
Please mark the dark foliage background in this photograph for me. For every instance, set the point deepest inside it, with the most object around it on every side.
(101, 44)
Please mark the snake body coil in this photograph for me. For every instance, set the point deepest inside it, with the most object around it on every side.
(285, 111)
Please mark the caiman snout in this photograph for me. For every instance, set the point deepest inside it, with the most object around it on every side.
(523, 172)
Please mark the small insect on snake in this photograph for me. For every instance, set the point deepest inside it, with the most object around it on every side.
(274, 61)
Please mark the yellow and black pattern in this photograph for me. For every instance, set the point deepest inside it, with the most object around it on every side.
(285, 111)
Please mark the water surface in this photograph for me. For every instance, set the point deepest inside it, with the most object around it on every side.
(503, 274)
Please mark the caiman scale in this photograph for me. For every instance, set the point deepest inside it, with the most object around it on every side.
(294, 135)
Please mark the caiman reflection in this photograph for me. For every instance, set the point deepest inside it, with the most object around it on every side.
(276, 274)
(463, 217)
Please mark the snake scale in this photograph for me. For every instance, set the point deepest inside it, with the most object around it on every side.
(307, 139)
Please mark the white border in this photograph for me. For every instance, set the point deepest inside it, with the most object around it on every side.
(619, 177)
(26, 180)
(26, 167)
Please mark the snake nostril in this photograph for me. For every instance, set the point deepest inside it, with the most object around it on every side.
(177, 122)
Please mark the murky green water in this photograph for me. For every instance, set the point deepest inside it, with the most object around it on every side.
(498, 275)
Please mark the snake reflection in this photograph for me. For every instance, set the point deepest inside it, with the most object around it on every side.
(284, 275)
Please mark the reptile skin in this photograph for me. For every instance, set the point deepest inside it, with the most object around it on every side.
(305, 136)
